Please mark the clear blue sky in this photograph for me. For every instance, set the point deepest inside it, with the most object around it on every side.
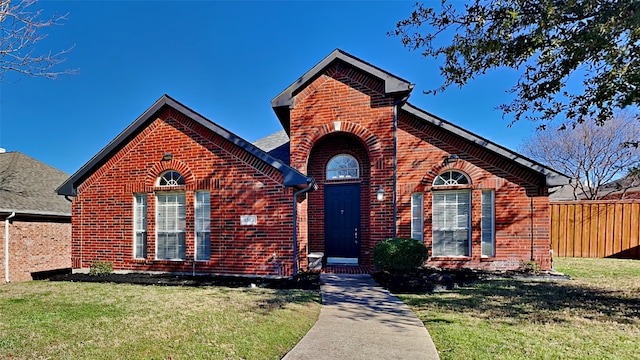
(225, 60)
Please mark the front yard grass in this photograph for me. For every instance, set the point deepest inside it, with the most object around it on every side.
(71, 320)
(596, 315)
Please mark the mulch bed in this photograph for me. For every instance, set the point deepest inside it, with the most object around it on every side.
(303, 281)
(423, 280)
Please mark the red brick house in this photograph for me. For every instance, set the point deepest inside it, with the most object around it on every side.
(35, 223)
(175, 192)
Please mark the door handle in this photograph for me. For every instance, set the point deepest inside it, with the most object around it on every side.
(356, 234)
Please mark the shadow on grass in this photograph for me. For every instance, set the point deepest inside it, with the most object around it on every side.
(300, 290)
(535, 301)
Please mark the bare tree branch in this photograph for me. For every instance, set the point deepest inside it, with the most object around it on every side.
(593, 155)
(21, 29)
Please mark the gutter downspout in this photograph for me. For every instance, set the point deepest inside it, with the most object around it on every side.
(395, 166)
(531, 222)
(309, 187)
(6, 246)
(395, 160)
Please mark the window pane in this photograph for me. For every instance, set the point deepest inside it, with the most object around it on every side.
(451, 177)
(171, 226)
(140, 226)
(417, 216)
(203, 225)
(343, 167)
(488, 223)
(450, 222)
(171, 178)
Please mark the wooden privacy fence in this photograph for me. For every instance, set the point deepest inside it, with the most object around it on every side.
(596, 229)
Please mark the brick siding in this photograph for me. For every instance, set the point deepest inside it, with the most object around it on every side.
(35, 246)
(239, 184)
(344, 111)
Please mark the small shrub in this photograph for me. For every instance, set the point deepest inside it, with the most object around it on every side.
(529, 266)
(398, 255)
(101, 268)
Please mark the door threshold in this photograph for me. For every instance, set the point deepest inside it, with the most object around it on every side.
(342, 261)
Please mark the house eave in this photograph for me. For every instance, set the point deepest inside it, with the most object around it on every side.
(393, 85)
(69, 188)
(35, 214)
(552, 177)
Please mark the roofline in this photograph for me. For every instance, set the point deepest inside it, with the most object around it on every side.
(552, 178)
(291, 176)
(392, 83)
(35, 213)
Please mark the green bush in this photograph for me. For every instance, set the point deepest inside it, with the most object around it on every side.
(398, 254)
(100, 268)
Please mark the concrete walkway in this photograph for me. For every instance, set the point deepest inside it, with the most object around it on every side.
(361, 320)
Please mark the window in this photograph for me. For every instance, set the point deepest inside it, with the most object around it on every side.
(451, 177)
(170, 226)
(488, 223)
(171, 178)
(203, 226)
(417, 216)
(451, 223)
(343, 167)
(140, 226)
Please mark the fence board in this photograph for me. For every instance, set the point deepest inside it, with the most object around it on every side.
(596, 228)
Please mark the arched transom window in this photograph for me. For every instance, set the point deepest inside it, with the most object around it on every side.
(171, 178)
(343, 166)
(451, 177)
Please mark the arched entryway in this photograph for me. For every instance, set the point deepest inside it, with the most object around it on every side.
(339, 210)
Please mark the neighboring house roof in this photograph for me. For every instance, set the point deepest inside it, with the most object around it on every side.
(627, 187)
(291, 176)
(564, 193)
(392, 84)
(276, 145)
(28, 187)
(553, 178)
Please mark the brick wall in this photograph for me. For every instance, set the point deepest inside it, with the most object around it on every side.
(239, 183)
(35, 246)
(345, 111)
(521, 218)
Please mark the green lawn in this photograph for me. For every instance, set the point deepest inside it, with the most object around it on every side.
(70, 320)
(596, 315)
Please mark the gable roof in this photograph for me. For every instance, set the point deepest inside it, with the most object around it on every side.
(552, 177)
(291, 176)
(28, 187)
(392, 83)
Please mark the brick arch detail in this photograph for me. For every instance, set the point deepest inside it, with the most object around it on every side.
(473, 173)
(368, 139)
(159, 168)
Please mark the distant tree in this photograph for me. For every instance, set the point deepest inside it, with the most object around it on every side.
(593, 155)
(21, 29)
(552, 43)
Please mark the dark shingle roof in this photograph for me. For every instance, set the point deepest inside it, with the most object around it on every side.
(276, 145)
(28, 186)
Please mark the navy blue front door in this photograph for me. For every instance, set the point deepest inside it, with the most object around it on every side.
(342, 220)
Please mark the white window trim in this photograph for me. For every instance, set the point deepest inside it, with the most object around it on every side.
(417, 197)
(493, 225)
(136, 215)
(357, 168)
(174, 232)
(469, 216)
(196, 230)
